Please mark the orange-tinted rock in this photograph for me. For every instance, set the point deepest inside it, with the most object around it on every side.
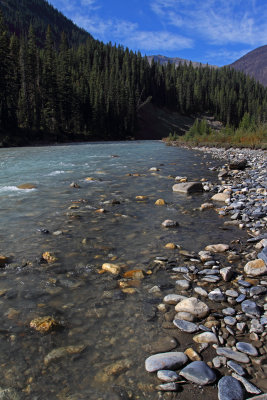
(49, 257)
(160, 202)
(44, 324)
(134, 274)
(192, 354)
(170, 246)
(26, 186)
(141, 197)
(112, 268)
(256, 268)
(3, 260)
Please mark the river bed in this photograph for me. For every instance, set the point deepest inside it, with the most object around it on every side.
(84, 210)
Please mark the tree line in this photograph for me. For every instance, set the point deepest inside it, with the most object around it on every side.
(94, 90)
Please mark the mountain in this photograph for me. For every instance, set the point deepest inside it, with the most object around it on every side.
(20, 14)
(254, 64)
(163, 60)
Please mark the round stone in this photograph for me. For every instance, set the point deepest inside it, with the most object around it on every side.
(198, 372)
(185, 326)
(170, 360)
(193, 306)
(205, 337)
(230, 389)
(167, 376)
(247, 348)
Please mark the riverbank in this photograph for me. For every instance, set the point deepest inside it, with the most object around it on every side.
(94, 206)
(219, 305)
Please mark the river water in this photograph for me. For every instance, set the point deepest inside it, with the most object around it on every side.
(112, 326)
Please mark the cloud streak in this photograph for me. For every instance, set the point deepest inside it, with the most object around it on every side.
(217, 21)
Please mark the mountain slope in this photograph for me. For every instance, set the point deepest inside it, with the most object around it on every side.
(19, 14)
(163, 60)
(254, 64)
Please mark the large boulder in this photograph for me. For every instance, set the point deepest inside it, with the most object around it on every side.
(188, 187)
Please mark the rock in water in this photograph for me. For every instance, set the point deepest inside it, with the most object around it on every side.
(44, 324)
(198, 372)
(169, 360)
(188, 187)
(169, 223)
(112, 268)
(229, 389)
(62, 352)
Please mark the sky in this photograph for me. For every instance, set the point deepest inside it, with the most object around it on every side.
(216, 32)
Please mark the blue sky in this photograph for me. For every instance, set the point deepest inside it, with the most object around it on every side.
(217, 32)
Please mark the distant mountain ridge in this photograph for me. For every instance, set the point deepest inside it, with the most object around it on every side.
(20, 14)
(163, 60)
(254, 64)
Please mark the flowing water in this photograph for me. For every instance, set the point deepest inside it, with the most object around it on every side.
(112, 326)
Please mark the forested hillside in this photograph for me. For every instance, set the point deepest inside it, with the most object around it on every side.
(70, 89)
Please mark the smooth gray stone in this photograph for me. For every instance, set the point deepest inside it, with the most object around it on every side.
(228, 311)
(230, 320)
(211, 278)
(247, 348)
(251, 308)
(170, 360)
(198, 372)
(240, 298)
(216, 295)
(233, 355)
(183, 283)
(188, 187)
(236, 367)
(167, 376)
(183, 270)
(250, 388)
(263, 255)
(185, 326)
(256, 290)
(244, 283)
(168, 387)
(230, 389)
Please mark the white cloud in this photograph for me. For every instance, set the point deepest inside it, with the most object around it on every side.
(218, 21)
(129, 34)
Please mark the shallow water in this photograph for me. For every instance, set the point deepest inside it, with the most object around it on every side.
(95, 313)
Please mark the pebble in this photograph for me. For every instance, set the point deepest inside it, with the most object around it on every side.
(173, 298)
(236, 368)
(168, 387)
(198, 372)
(255, 268)
(170, 360)
(229, 389)
(169, 223)
(230, 320)
(250, 388)
(193, 306)
(183, 283)
(247, 348)
(62, 352)
(167, 376)
(205, 337)
(251, 308)
(201, 291)
(232, 354)
(217, 248)
(216, 295)
(186, 326)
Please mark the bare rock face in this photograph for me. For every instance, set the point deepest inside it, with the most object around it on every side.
(188, 187)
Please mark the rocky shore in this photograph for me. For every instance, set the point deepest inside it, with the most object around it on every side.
(214, 321)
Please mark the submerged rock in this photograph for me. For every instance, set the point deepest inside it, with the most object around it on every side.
(63, 352)
(160, 202)
(44, 324)
(169, 223)
(188, 187)
(112, 268)
(27, 186)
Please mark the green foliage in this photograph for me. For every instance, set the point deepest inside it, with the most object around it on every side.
(57, 81)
